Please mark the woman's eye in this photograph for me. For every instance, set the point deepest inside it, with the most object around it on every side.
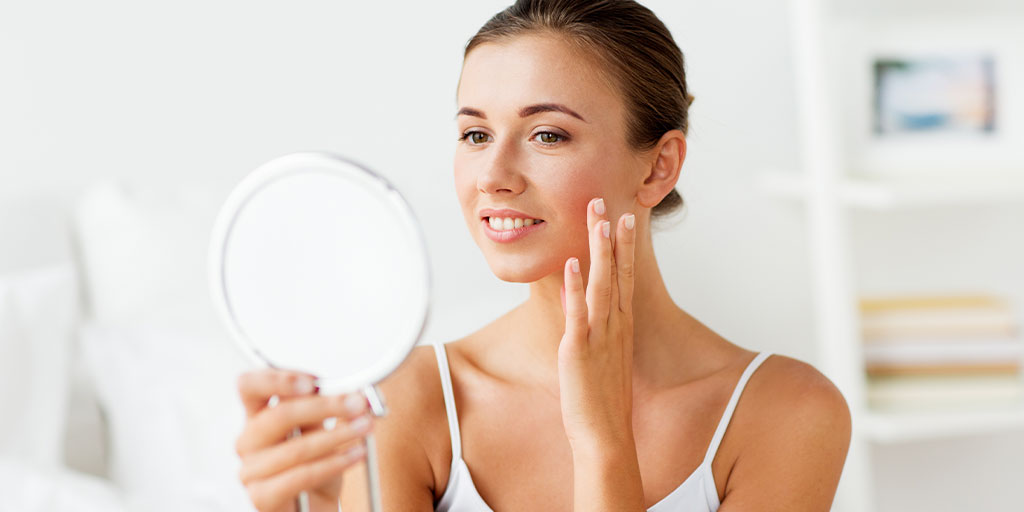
(549, 138)
(475, 137)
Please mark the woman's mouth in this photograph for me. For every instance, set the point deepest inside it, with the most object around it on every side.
(509, 229)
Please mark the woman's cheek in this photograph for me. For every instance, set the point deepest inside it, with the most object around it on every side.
(465, 189)
(580, 186)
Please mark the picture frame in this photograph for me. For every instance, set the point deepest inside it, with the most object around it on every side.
(934, 96)
(929, 97)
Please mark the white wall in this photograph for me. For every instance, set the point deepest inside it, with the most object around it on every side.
(161, 93)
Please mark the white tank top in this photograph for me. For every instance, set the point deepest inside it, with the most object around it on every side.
(696, 494)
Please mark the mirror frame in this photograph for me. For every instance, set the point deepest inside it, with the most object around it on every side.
(301, 163)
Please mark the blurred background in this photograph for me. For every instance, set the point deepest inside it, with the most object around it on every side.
(854, 194)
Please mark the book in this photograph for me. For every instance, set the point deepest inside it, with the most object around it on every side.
(940, 317)
(945, 392)
(892, 369)
(1006, 350)
(937, 325)
(931, 302)
(911, 343)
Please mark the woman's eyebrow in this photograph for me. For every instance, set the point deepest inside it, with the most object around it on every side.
(466, 111)
(549, 107)
(526, 111)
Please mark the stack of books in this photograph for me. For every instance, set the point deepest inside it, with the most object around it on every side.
(941, 352)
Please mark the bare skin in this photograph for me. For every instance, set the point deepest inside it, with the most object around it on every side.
(785, 446)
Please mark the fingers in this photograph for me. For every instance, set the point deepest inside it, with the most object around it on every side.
(599, 283)
(256, 387)
(625, 242)
(299, 450)
(272, 424)
(575, 301)
(273, 492)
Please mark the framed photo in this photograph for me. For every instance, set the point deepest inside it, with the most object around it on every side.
(926, 95)
(920, 97)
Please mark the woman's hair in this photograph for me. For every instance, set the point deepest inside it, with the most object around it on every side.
(635, 48)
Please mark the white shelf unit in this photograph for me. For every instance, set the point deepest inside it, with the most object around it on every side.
(875, 193)
(830, 189)
(919, 426)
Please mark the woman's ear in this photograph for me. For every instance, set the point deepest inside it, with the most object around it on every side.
(663, 171)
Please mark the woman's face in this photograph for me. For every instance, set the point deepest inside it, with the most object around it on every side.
(544, 133)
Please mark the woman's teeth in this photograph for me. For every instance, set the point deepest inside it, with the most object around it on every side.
(504, 224)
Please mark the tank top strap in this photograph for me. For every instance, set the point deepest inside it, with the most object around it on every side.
(731, 406)
(449, 400)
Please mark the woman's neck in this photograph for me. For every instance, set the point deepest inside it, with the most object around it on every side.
(531, 333)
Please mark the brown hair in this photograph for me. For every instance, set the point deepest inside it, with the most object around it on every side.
(634, 46)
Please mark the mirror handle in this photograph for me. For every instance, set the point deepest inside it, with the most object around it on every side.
(376, 399)
(378, 408)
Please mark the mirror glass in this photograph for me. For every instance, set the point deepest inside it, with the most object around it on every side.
(318, 264)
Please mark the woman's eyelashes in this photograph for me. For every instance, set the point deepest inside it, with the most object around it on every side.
(544, 138)
(474, 137)
(550, 138)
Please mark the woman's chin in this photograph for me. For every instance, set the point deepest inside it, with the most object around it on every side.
(519, 273)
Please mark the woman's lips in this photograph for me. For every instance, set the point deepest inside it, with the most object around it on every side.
(509, 235)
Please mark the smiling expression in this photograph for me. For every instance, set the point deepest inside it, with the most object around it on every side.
(542, 131)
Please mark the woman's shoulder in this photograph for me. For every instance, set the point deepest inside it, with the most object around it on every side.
(413, 394)
(783, 384)
(407, 381)
(416, 420)
(406, 436)
(793, 397)
(791, 420)
(781, 390)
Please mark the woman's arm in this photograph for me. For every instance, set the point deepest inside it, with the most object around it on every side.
(595, 368)
(607, 479)
(795, 435)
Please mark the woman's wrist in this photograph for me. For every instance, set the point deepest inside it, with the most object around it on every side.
(607, 477)
(596, 446)
(604, 453)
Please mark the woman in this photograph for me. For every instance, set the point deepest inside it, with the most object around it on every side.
(598, 392)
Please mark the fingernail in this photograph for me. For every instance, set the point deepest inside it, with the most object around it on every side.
(630, 221)
(304, 385)
(599, 207)
(354, 403)
(574, 264)
(606, 228)
(360, 424)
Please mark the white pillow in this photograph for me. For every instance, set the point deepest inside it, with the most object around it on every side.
(144, 252)
(172, 409)
(39, 309)
(25, 488)
(34, 229)
(85, 442)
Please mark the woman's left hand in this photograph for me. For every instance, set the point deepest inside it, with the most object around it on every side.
(595, 356)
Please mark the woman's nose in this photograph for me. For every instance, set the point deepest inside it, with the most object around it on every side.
(501, 170)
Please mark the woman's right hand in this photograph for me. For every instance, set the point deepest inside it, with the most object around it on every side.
(276, 469)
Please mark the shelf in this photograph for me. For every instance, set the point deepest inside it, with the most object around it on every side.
(919, 8)
(885, 427)
(875, 193)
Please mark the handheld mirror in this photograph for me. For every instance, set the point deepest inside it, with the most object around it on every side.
(317, 264)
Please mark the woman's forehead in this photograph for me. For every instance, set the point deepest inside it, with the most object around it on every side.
(524, 70)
